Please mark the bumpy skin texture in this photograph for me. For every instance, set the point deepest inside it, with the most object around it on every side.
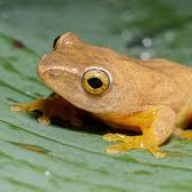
(153, 97)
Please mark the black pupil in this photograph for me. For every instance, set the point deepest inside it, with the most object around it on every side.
(95, 83)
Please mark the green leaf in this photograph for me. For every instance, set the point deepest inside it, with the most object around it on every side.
(62, 158)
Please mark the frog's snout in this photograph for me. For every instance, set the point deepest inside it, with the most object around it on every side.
(48, 68)
(44, 67)
(41, 68)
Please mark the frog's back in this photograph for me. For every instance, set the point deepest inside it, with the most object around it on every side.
(178, 77)
(180, 74)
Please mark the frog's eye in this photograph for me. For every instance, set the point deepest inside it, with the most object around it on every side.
(55, 41)
(96, 81)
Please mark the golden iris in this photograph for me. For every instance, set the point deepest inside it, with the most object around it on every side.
(96, 81)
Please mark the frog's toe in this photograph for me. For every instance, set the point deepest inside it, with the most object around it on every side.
(21, 107)
(44, 120)
(157, 152)
(118, 148)
(16, 107)
(114, 137)
(124, 147)
(128, 143)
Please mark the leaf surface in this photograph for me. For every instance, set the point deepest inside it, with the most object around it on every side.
(61, 158)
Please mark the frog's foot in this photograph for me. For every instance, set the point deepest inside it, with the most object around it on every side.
(185, 134)
(127, 143)
(44, 119)
(52, 106)
(37, 105)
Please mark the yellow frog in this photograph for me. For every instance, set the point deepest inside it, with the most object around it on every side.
(152, 97)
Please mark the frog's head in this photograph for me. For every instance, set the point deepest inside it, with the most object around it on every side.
(92, 78)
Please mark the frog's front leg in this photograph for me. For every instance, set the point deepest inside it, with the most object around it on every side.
(159, 130)
(52, 106)
(37, 105)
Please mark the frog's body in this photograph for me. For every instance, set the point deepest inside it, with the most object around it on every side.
(170, 84)
(153, 96)
(177, 84)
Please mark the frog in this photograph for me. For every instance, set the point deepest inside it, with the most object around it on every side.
(151, 97)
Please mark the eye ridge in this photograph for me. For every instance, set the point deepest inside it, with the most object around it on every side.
(95, 82)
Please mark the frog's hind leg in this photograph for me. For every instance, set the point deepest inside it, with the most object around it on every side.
(185, 134)
(184, 120)
(52, 106)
